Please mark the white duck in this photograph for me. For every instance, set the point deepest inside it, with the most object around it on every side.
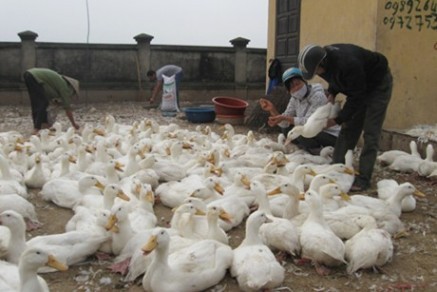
(234, 204)
(141, 214)
(410, 163)
(314, 125)
(209, 227)
(22, 206)
(17, 241)
(24, 277)
(254, 265)
(70, 248)
(110, 193)
(280, 234)
(389, 156)
(92, 221)
(173, 193)
(68, 193)
(279, 196)
(63, 169)
(8, 183)
(392, 204)
(130, 160)
(119, 224)
(195, 268)
(38, 175)
(318, 242)
(8, 171)
(241, 188)
(348, 227)
(387, 188)
(369, 248)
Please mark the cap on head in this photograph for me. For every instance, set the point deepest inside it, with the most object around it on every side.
(73, 82)
(290, 73)
(309, 58)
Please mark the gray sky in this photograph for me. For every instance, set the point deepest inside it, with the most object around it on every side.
(172, 22)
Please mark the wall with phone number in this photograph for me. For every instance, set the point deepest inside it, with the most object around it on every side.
(410, 14)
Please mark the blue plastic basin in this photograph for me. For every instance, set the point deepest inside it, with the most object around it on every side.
(200, 114)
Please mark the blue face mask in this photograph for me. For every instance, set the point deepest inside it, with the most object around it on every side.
(300, 94)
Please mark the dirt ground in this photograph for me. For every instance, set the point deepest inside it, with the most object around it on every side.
(413, 268)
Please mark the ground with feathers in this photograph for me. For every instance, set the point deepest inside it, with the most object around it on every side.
(413, 266)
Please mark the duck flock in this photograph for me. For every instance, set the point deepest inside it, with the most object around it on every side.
(294, 205)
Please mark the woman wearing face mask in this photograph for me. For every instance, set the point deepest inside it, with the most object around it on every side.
(304, 100)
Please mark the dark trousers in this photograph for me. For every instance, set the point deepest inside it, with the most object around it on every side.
(369, 119)
(321, 140)
(38, 100)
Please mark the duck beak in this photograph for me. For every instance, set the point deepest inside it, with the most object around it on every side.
(199, 212)
(119, 166)
(302, 196)
(150, 245)
(137, 189)
(122, 195)
(211, 159)
(419, 194)
(225, 216)
(217, 171)
(89, 149)
(141, 154)
(99, 132)
(111, 222)
(227, 153)
(18, 147)
(186, 145)
(150, 197)
(99, 185)
(275, 191)
(56, 264)
(349, 171)
(345, 197)
(219, 189)
(245, 181)
(72, 159)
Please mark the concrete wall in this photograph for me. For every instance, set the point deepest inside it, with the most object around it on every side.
(109, 72)
(392, 27)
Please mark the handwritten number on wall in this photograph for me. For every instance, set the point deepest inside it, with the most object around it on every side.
(411, 14)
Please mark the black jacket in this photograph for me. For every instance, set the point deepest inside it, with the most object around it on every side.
(354, 72)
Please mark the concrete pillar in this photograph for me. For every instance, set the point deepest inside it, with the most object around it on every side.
(240, 45)
(144, 53)
(143, 59)
(28, 49)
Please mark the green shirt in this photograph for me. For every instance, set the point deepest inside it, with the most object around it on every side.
(56, 88)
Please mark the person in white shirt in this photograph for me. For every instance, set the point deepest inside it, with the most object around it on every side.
(157, 77)
(304, 100)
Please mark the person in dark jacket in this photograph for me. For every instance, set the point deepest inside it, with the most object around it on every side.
(275, 74)
(48, 90)
(364, 77)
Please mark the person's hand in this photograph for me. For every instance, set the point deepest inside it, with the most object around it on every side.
(331, 98)
(266, 105)
(274, 120)
(330, 123)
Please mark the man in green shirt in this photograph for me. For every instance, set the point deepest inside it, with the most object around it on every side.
(49, 88)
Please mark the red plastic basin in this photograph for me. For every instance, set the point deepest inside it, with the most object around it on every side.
(226, 105)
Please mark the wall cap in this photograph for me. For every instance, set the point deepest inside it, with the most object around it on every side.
(27, 35)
